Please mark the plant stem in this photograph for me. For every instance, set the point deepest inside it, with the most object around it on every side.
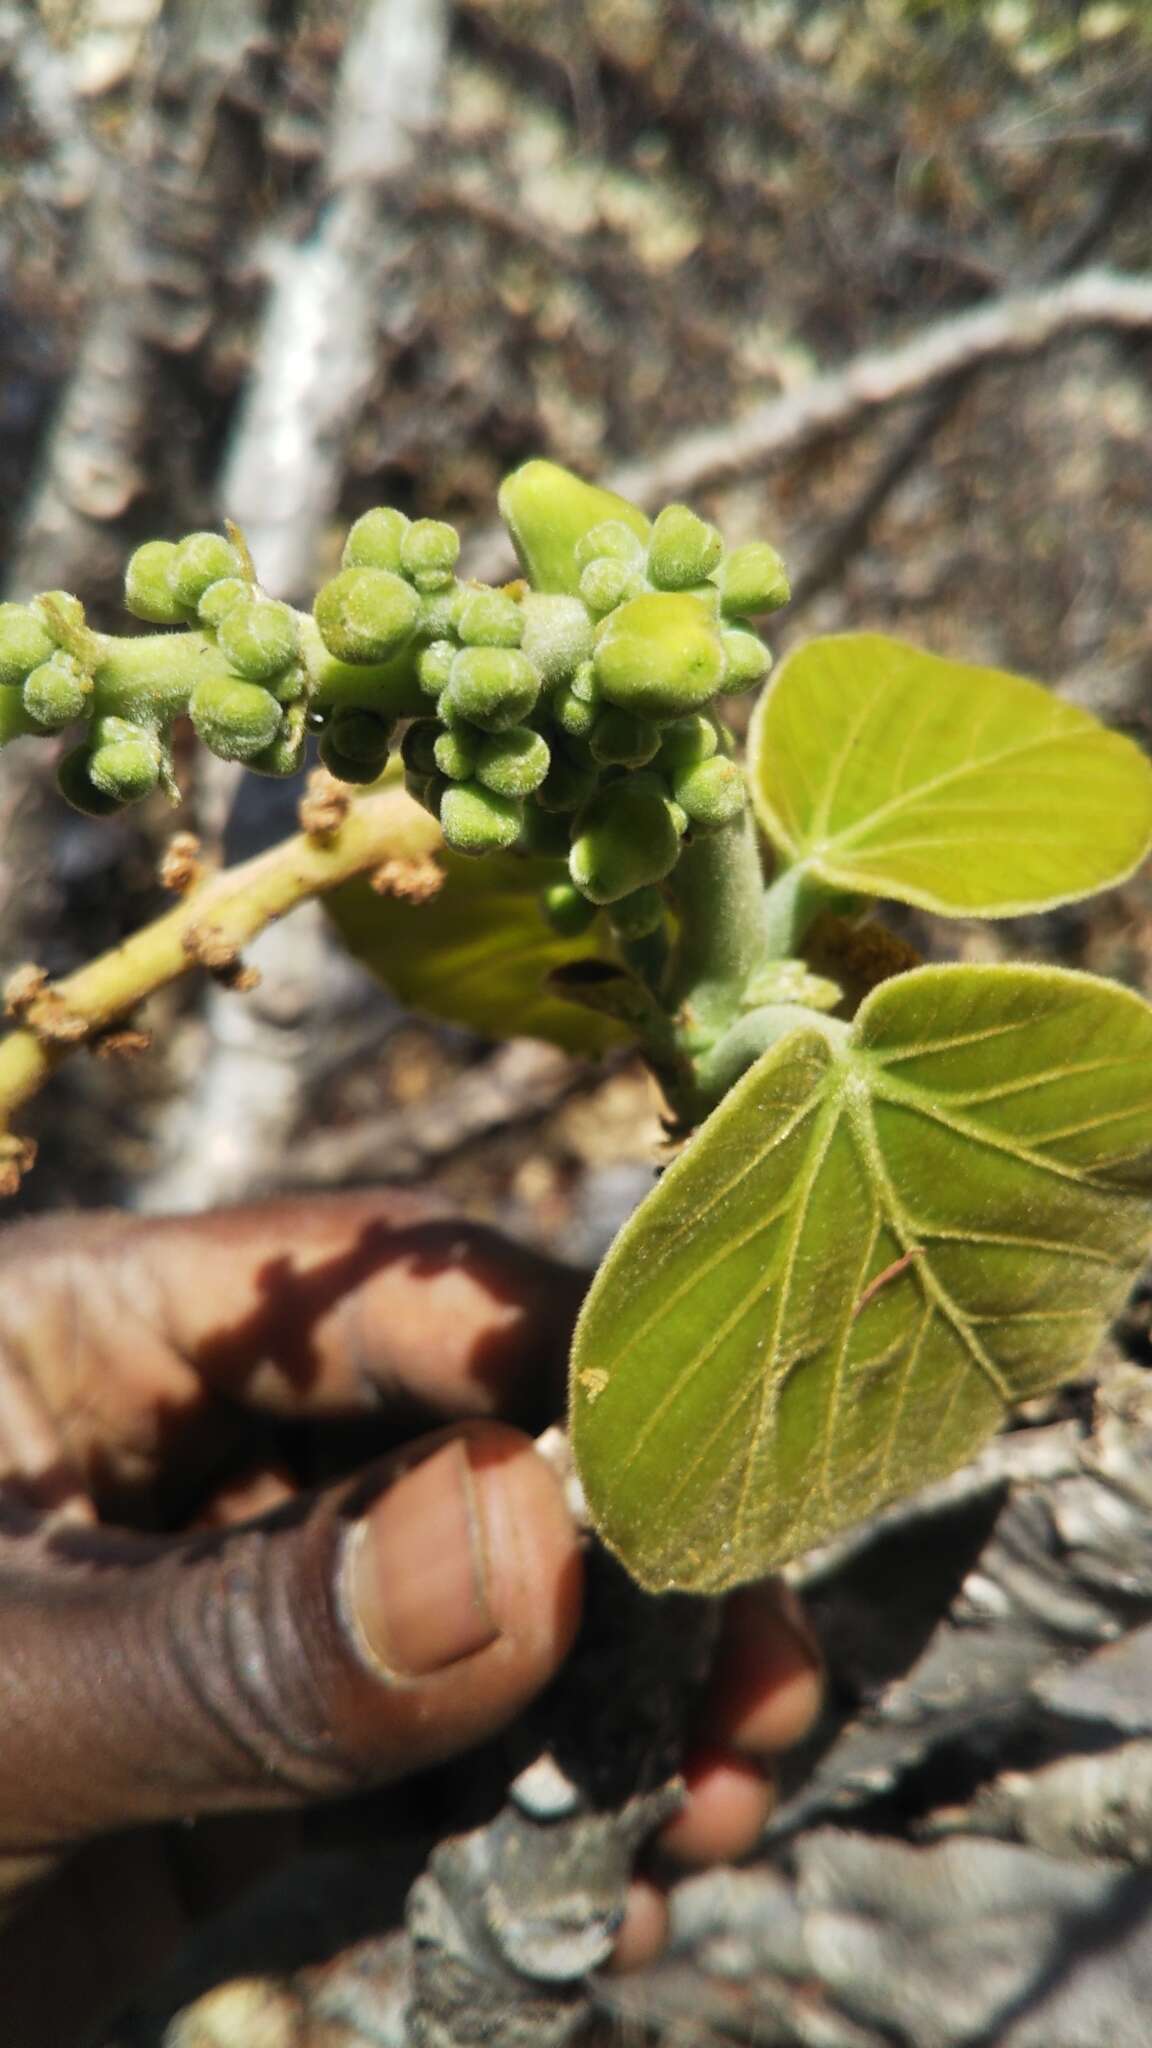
(718, 886)
(207, 928)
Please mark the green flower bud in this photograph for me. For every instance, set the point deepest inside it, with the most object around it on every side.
(548, 512)
(612, 541)
(24, 644)
(291, 686)
(660, 655)
(682, 550)
(285, 756)
(258, 639)
(493, 687)
(218, 599)
(567, 785)
(148, 593)
(513, 763)
(624, 841)
(557, 636)
(440, 609)
(456, 751)
(752, 579)
(585, 683)
(621, 739)
(349, 767)
(606, 583)
(435, 666)
(127, 770)
(748, 661)
(418, 747)
(428, 553)
(62, 616)
(685, 742)
(375, 540)
(572, 714)
(236, 720)
(366, 614)
(361, 736)
(200, 560)
(57, 692)
(636, 916)
(489, 618)
(544, 833)
(712, 793)
(77, 788)
(477, 820)
(567, 910)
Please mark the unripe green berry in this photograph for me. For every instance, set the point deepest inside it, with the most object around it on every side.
(557, 636)
(513, 763)
(24, 644)
(375, 540)
(418, 747)
(567, 785)
(621, 739)
(148, 594)
(567, 910)
(361, 736)
(611, 540)
(455, 753)
(748, 661)
(572, 714)
(127, 770)
(660, 655)
(638, 915)
(201, 560)
(624, 841)
(712, 793)
(236, 720)
(489, 618)
(366, 614)
(752, 579)
(258, 639)
(57, 692)
(682, 550)
(606, 583)
(428, 553)
(478, 820)
(349, 767)
(218, 599)
(493, 687)
(435, 666)
(76, 786)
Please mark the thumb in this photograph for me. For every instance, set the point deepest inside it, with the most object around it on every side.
(348, 1639)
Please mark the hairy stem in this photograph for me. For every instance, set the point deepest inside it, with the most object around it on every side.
(718, 886)
(208, 928)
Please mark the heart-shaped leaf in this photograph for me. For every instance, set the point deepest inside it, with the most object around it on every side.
(892, 772)
(886, 1235)
(480, 951)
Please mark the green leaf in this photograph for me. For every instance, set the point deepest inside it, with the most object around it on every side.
(548, 511)
(886, 1235)
(480, 952)
(891, 772)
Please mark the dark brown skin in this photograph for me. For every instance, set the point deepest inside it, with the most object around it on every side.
(272, 1531)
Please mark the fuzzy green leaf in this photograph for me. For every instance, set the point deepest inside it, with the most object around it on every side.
(480, 952)
(884, 1237)
(891, 772)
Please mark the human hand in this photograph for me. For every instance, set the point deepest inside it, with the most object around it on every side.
(192, 1626)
